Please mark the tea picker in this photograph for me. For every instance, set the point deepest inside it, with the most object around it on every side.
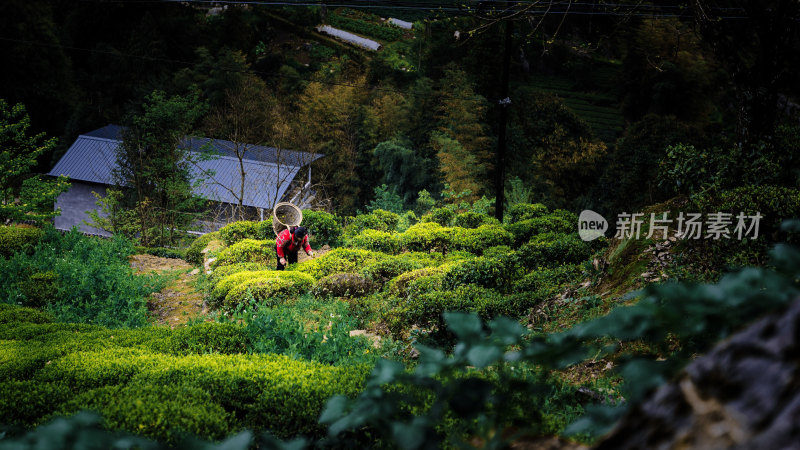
(291, 237)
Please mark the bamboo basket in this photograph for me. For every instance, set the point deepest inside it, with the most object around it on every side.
(285, 215)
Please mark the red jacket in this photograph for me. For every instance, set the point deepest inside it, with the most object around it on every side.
(283, 243)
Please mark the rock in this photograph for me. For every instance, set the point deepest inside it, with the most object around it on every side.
(194, 272)
(743, 395)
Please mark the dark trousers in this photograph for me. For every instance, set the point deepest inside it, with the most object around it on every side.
(291, 258)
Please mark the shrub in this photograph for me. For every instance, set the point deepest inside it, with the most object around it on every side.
(323, 228)
(398, 286)
(96, 282)
(237, 231)
(553, 249)
(246, 250)
(493, 273)
(25, 402)
(472, 219)
(442, 216)
(343, 285)
(15, 314)
(548, 278)
(205, 338)
(40, 289)
(382, 271)
(223, 271)
(523, 231)
(164, 252)
(376, 220)
(376, 240)
(478, 239)
(194, 254)
(164, 412)
(269, 290)
(340, 260)
(18, 238)
(225, 284)
(426, 237)
(525, 211)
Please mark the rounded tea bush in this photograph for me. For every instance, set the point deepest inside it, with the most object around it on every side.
(376, 240)
(472, 219)
(194, 254)
(246, 250)
(349, 285)
(272, 290)
(237, 231)
(323, 228)
(524, 211)
(18, 238)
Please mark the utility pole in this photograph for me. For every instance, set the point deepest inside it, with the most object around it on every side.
(505, 104)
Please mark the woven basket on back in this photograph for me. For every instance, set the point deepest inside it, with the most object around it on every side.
(285, 215)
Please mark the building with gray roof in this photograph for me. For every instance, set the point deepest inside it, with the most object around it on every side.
(270, 175)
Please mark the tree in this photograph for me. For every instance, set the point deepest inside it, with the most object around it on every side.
(404, 169)
(154, 168)
(247, 119)
(462, 142)
(24, 196)
(554, 150)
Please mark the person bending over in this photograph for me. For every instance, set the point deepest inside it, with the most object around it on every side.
(288, 243)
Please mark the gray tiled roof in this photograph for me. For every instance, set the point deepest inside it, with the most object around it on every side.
(92, 158)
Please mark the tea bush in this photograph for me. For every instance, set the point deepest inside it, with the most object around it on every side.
(323, 228)
(498, 274)
(340, 260)
(478, 239)
(398, 286)
(376, 240)
(554, 249)
(544, 278)
(223, 271)
(237, 231)
(40, 289)
(382, 271)
(269, 290)
(18, 238)
(527, 229)
(376, 220)
(525, 211)
(442, 216)
(472, 219)
(427, 237)
(246, 250)
(343, 285)
(194, 253)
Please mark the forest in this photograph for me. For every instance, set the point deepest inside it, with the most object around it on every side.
(458, 293)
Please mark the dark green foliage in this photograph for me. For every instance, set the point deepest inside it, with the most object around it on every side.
(376, 220)
(343, 285)
(497, 273)
(95, 282)
(524, 211)
(382, 271)
(404, 169)
(548, 278)
(18, 238)
(525, 230)
(442, 216)
(553, 249)
(194, 253)
(40, 289)
(472, 219)
(323, 228)
(237, 231)
(164, 252)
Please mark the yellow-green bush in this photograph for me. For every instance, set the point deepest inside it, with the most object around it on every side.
(194, 253)
(427, 237)
(398, 286)
(223, 271)
(554, 249)
(442, 216)
(18, 238)
(380, 272)
(13, 313)
(471, 219)
(525, 230)
(139, 381)
(246, 250)
(498, 273)
(323, 228)
(525, 211)
(224, 285)
(238, 231)
(376, 240)
(340, 260)
(478, 239)
(376, 220)
(343, 285)
(271, 289)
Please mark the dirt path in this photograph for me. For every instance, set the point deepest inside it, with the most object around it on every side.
(178, 301)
